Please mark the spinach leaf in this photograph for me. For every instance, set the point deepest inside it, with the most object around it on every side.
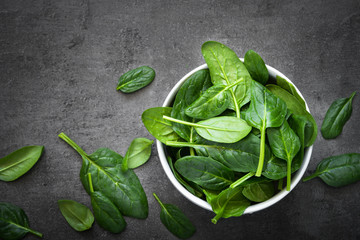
(175, 220)
(136, 79)
(285, 144)
(265, 110)
(210, 194)
(157, 126)
(14, 223)
(256, 67)
(204, 171)
(281, 82)
(107, 215)
(123, 188)
(296, 107)
(76, 214)
(276, 168)
(226, 68)
(338, 171)
(19, 162)
(336, 117)
(259, 192)
(191, 90)
(138, 153)
(219, 129)
(229, 203)
(242, 156)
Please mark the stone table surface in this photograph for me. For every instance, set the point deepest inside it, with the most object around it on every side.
(59, 66)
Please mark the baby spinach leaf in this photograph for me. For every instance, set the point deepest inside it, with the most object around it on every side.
(229, 203)
(219, 129)
(281, 82)
(19, 162)
(259, 192)
(225, 68)
(191, 90)
(76, 214)
(285, 144)
(276, 168)
(123, 188)
(107, 215)
(210, 194)
(204, 171)
(14, 223)
(256, 67)
(175, 220)
(265, 110)
(336, 117)
(338, 171)
(136, 79)
(138, 153)
(157, 126)
(296, 107)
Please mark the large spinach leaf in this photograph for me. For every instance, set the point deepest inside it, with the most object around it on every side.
(136, 79)
(14, 223)
(256, 67)
(265, 110)
(285, 144)
(222, 129)
(123, 188)
(191, 90)
(336, 116)
(19, 162)
(76, 214)
(175, 220)
(338, 171)
(225, 68)
(204, 171)
(259, 192)
(157, 126)
(281, 82)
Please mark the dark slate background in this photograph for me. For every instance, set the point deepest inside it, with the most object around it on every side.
(59, 66)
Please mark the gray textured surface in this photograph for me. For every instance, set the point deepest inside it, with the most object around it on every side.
(59, 65)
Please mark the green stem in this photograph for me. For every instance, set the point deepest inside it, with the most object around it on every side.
(72, 144)
(161, 204)
(124, 165)
(288, 178)
(242, 179)
(36, 233)
(311, 177)
(190, 124)
(352, 95)
(237, 109)
(217, 217)
(90, 183)
(262, 152)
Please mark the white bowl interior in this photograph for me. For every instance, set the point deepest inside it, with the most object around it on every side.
(202, 203)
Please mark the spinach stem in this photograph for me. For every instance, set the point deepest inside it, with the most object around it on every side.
(124, 164)
(262, 152)
(288, 179)
(72, 144)
(217, 217)
(311, 177)
(242, 179)
(190, 124)
(36, 233)
(157, 199)
(90, 183)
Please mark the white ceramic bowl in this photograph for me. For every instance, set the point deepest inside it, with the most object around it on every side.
(202, 203)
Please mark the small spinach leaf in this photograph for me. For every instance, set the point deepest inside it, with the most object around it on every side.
(336, 116)
(256, 67)
(259, 192)
(76, 214)
(175, 220)
(14, 223)
(338, 171)
(138, 153)
(204, 171)
(136, 79)
(19, 162)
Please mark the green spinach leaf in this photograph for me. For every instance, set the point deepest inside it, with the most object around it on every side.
(123, 188)
(259, 192)
(138, 153)
(265, 110)
(338, 171)
(336, 117)
(76, 214)
(19, 162)
(281, 82)
(175, 220)
(14, 223)
(136, 79)
(204, 171)
(157, 126)
(256, 67)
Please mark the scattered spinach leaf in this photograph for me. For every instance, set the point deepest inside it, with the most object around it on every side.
(136, 79)
(138, 153)
(256, 67)
(76, 214)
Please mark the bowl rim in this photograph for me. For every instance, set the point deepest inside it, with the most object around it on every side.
(202, 203)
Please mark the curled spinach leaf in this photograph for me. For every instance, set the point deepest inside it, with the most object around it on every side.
(14, 223)
(19, 162)
(338, 171)
(336, 117)
(281, 82)
(136, 79)
(175, 220)
(76, 214)
(256, 67)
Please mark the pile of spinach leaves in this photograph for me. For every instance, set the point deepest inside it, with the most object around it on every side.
(233, 134)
